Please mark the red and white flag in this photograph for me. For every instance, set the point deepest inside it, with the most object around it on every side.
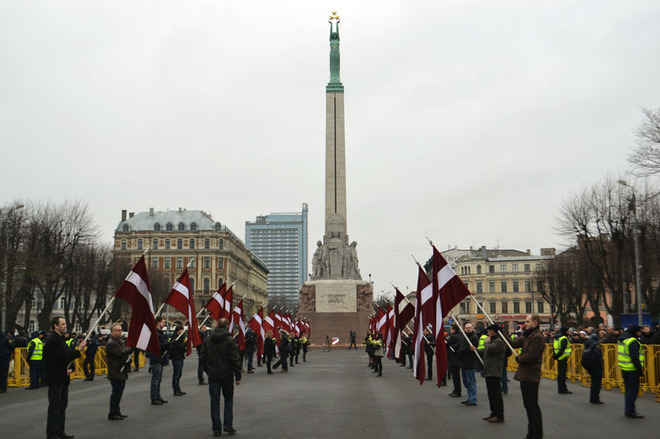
(390, 331)
(229, 303)
(135, 290)
(381, 322)
(424, 308)
(181, 298)
(404, 311)
(237, 319)
(448, 291)
(216, 305)
(256, 324)
(270, 324)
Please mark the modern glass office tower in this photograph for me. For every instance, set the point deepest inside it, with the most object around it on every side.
(280, 240)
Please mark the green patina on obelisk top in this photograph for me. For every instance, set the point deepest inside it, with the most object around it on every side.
(335, 84)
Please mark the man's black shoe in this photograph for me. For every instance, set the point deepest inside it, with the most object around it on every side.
(597, 402)
(566, 392)
(66, 436)
(162, 400)
(179, 393)
(201, 382)
(230, 430)
(123, 416)
(455, 395)
(470, 404)
(156, 402)
(88, 379)
(217, 432)
(115, 418)
(634, 415)
(464, 402)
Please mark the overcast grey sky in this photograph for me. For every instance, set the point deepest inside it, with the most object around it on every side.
(466, 121)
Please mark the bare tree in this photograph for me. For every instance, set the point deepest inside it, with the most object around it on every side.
(646, 156)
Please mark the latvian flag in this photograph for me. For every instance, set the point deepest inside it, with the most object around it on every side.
(181, 298)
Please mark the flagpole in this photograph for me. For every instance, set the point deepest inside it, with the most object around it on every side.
(492, 323)
(466, 337)
(96, 324)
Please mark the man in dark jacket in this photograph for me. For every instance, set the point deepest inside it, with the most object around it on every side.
(592, 361)
(269, 350)
(220, 359)
(178, 349)
(6, 348)
(57, 360)
(90, 358)
(631, 362)
(117, 357)
(429, 351)
(157, 362)
(250, 348)
(453, 360)
(529, 373)
(494, 355)
(467, 354)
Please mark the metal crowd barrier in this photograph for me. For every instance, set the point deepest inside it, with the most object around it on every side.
(650, 381)
(19, 368)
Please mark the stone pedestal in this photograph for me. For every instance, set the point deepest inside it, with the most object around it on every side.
(336, 307)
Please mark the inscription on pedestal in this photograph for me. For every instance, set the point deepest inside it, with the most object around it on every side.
(336, 297)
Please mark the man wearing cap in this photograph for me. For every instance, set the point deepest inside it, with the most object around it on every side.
(561, 351)
(35, 356)
(631, 363)
(494, 355)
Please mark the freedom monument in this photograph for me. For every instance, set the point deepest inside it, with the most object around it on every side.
(335, 300)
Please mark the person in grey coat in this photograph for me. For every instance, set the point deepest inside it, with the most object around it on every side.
(117, 357)
(494, 356)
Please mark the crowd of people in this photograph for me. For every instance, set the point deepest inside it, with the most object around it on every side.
(487, 352)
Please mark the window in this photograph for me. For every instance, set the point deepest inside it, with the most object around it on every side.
(179, 243)
(516, 287)
(539, 286)
(527, 268)
(181, 227)
(157, 227)
(207, 262)
(192, 243)
(154, 263)
(528, 307)
(206, 285)
(491, 286)
(191, 261)
(491, 269)
(155, 244)
(220, 282)
(207, 243)
(123, 244)
(140, 243)
(179, 262)
(503, 286)
(480, 287)
(193, 226)
(465, 308)
(169, 227)
(221, 263)
(528, 286)
(516, 307)
(514, 268)
(505, 307)
(478, 269)
(192, 285)
(502, 268)
(539, 307)
(167, 262)
(221, 244)
(167, 243)
(538, 267)
(124, 228)
(493, 307)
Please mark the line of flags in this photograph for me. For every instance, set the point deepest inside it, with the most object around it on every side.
(435, 297)
(142, 333)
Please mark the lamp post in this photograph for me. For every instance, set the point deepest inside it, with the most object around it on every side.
(636, 232)
(3, 302)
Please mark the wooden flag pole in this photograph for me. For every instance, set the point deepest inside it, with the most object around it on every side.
(492, 323)
(466, 337)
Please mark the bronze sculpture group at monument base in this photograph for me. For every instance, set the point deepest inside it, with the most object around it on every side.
(336, 307)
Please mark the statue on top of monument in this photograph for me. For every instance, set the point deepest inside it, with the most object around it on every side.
(317, 261)
(334, 49)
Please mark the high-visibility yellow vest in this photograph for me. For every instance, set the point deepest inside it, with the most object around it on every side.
(624, 354)
(556, 345)
(68, 342)
(38, 353)
(482, 342)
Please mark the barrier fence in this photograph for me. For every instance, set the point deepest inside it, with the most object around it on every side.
(650, 381)
(19, 368)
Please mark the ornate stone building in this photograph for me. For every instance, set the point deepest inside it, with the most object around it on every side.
(180, 237)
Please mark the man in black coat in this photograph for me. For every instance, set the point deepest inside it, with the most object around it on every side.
(453, 360)
(467, 353)
(118, 360)
(90, 358)
(220, 359)
(6, 348)
(57, 365)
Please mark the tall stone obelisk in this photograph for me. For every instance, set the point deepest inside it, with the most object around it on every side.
(336, 300)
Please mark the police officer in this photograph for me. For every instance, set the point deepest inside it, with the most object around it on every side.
(35, 356)
(631, 363)
(561, 351)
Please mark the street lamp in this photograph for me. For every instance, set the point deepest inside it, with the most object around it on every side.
(3, 302)
(636, 233)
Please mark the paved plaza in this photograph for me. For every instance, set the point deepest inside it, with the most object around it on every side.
(333, 395)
